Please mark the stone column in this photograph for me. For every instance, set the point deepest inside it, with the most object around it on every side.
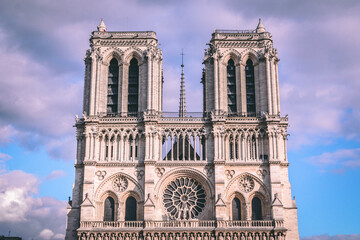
(124, 87)
(120, 87)
(108, 149)
(216, 82)
(92, 84)
(273, 86)
(149, 184)
(195, 139)
(87, 146)
(243, 88)
(276, 62)
(285, 146)
(220, 207)
(257, 146)
(172, 147)
(268, 85)
(133, 147)
(238, 87)
(149, 80)
(78, 149)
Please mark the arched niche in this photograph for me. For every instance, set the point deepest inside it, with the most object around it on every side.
(118, 186)
(253, 187)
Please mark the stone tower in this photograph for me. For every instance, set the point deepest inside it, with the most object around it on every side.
(145, 174)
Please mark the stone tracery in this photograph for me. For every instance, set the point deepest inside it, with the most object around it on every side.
(184, 198)
(120, 184)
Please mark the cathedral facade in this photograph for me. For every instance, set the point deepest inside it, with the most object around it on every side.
(143, 174)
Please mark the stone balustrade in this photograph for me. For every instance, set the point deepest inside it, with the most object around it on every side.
(180, 224)
(115, 224)
(185, 224)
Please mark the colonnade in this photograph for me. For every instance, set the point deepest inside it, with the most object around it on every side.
(190, 144)
(184, 144)
(120, 146)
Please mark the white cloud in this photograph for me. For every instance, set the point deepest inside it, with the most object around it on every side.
(319, 79)
(46, 234)
(345, 158)
(36, 103)
(15, 196)
(55, 174)
(25, 214)
(59, 236)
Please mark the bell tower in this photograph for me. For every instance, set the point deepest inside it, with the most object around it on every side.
(241, 70)
(241, 95)
(122, 73)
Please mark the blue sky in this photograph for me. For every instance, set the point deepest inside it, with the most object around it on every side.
(43, 44)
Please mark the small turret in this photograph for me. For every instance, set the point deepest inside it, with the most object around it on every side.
(102, 26)
(260, 27)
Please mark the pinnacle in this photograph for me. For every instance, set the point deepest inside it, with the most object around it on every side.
(102, 26)
(260, 27)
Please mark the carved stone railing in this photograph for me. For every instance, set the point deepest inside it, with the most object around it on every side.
(184, 224)
(185, 115)
(148, 34)
(174, 117)
(115, 224)
(240, 34)
(180, 224)
(234, 31)
(250, 224)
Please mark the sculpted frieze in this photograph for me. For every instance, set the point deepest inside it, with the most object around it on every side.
(139, 42)
(234, 44)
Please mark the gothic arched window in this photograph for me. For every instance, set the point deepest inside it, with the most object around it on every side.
(250, 87)
(133, 88)
(113, 83)
(231, 86)
(130, 209)
(236, 209)
(109, 209)
(256, 209)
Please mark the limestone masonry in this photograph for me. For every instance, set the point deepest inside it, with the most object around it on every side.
(143, 174)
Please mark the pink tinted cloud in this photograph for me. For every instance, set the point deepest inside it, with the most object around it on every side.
(25, 214)
(346, 158)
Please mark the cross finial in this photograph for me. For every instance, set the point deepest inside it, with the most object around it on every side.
(182, 57)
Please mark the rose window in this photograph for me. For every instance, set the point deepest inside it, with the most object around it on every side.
(246, 183)
(120, 184)
(184, 198)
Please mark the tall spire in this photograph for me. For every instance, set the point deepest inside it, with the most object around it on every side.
(182, 107)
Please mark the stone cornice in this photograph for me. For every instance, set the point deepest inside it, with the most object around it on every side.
(278, 162)
(182, 163)
(113, 164)
(124, 35)
(261, 164)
